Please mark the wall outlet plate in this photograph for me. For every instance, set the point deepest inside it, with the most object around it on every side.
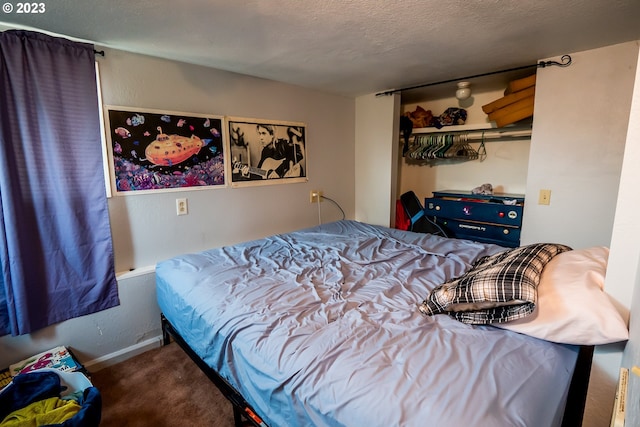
(315, 196)
(182, 208)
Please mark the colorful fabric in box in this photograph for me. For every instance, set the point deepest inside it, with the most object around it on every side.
(47, 412)
(37, 386)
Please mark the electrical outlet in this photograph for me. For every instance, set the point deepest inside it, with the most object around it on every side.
(545, 197)
(182, 208)
(315, 196)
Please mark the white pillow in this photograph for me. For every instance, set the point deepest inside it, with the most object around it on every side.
(572, 307)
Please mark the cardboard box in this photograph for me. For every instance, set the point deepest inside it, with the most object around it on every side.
(516, 105)
(510, 108)
(58, 358)
(520, 84)
(515, 116)
(5, 378)
(509, 99)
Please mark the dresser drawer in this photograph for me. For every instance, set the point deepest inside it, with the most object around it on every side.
(481, 232)
(473, 210)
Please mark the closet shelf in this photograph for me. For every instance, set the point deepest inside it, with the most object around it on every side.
(473, 127)
(456, 128)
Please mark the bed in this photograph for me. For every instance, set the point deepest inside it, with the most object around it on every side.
(326, 327)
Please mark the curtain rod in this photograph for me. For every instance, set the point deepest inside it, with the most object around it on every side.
(98, 52)
(566, 61)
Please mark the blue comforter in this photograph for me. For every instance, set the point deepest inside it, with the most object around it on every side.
(321, 327)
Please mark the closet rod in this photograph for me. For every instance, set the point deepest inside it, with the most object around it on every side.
(566, 61)
(480, 135)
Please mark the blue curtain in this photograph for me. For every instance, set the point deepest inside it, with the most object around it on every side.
(55, 239)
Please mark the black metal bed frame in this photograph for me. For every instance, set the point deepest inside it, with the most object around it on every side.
(244, 415)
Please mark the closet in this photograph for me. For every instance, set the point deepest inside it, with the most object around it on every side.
(462, 157)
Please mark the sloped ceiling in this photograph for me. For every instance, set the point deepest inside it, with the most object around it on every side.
(345, 47)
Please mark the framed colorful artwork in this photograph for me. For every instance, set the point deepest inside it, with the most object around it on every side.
(266, 152)
(151, 150)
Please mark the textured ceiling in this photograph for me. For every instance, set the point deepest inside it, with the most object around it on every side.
(347, 47)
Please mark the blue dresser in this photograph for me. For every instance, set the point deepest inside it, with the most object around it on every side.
(493, 218)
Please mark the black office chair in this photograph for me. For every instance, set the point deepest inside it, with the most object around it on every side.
(415, 211)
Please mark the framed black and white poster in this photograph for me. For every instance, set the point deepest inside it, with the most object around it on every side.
(266, 152)
(151, 150)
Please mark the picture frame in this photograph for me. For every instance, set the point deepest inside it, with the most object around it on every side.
(155, 150)
(265, 152)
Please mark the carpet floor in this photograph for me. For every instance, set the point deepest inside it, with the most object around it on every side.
(161, 388)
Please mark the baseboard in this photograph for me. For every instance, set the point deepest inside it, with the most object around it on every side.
(122, 355)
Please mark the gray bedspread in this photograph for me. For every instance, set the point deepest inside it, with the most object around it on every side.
(321, 327)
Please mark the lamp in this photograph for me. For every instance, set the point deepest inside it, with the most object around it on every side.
(464, 91)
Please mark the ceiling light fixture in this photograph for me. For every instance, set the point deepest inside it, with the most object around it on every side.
(464, 90)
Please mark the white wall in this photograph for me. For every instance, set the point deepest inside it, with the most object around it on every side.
(102, 338)
(577, 148)
(145, 228)
(579, 128)
(625, 266)
(377, 124)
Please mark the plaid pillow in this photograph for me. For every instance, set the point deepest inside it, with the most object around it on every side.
(498, 288)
